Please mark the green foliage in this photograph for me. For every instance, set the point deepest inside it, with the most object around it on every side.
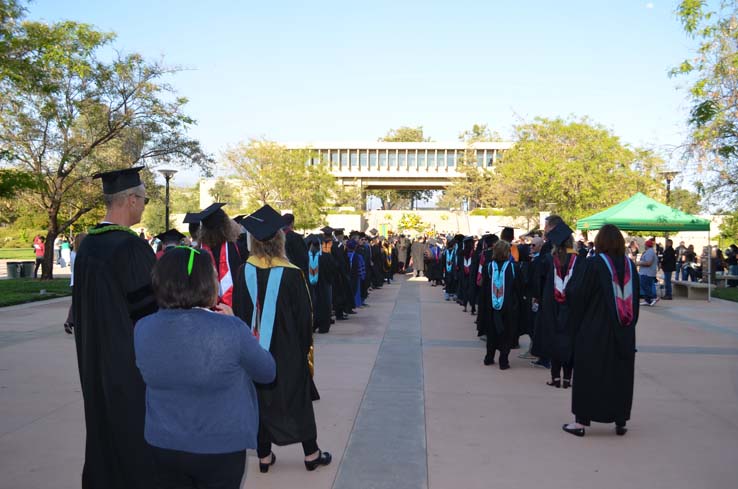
(410, 221)
(728, 294)
(405, 134)
(280, 177)
(13, 181)
(481, 211)
(685, 201)
(713, 139)
(479, 133)
(67, 112)
(226, 192)
(729, 228)
(573, 168)
(18, 254)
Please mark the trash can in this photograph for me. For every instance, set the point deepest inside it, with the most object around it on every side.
(27, 269)
(14, 269)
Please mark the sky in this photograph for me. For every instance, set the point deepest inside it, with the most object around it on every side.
(298, 71)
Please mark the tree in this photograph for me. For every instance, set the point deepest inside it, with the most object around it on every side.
(713, 119)
(395, 199)
(413, 222)
(74, 113)
(479, 133)
(685, 201)
(405, 134)
(729, 228)
(475, 186)
(227, 193)
(282, 178)
(13, 182)
(573, 168)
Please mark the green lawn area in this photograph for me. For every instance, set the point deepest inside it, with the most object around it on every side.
(22, 290)
(729, 294)
(22, 254)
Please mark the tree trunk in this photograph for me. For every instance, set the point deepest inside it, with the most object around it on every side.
(47, 266)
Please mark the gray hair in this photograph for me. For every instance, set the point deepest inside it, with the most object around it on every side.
(116, 199)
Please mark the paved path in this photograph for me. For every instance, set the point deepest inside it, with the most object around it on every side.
(407, 403)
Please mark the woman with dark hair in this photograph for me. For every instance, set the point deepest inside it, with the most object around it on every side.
(219, 235)
(272, 297)
(562, 272)
(199, 368)
(606, 312)
(501, 282)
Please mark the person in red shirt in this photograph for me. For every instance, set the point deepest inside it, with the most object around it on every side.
(39, 248)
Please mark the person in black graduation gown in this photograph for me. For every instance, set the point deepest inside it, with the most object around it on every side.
(501, 283)
(343, 301)
(483, 299)
(378, 263)
(322, 271)
(218, 234)
(365, 251)
(449, 264)
(286, 413)
(464, 267)
(295, 245)
(112, 290)
(563, 270)
(605, 341)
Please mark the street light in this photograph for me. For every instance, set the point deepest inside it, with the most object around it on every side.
(669, 176)
(168, 174)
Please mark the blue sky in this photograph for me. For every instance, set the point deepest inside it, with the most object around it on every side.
(343, 71)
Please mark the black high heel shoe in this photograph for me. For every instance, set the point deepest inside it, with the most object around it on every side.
(573, 431)
(323, 459)
(264, 468)
(620, 430)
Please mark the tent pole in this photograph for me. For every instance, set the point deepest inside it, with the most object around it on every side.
(709, 265)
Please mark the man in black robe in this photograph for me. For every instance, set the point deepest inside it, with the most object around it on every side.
(343, 301)
(297, 252)
(112, 290)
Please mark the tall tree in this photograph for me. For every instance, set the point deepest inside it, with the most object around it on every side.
(573, 168)
(275, 175)
(396, 199)
(685, 201)
(77, 113)
(713, 119)
(226, 192)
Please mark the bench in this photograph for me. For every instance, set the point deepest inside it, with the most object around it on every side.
(722, 280)
(690, 290)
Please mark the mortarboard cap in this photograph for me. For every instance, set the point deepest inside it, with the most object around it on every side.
(238, 219)
(559, 234)
(171, 236)
(119, 180)
(191, 217)
(264, 223)
(208, 215)
(327, 230)
(468, 238)
(338, 231)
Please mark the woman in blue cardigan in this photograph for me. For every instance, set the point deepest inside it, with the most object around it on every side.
(199, 363)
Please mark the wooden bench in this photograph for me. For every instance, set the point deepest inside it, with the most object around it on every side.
(690, 290)
(722, 280)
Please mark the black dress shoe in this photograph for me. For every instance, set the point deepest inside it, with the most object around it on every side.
(264, 468)
(489, 360)
(504, 366)
(620, 430)
(342, 317)
(567, 383)
(554, 383)
(573, 431)
(323, 459)
(351, 312)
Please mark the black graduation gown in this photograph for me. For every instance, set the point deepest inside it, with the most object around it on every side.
(320, 293)
(378, 259)
(501, 326)
(112, 290)
(483, 298)
(472, 287)
(285, 405)
(366, 252)
(555, 332)
(526, 313)
(604, 351)
(449, 275)
(297, 252)
(343, 301)
(433, 266)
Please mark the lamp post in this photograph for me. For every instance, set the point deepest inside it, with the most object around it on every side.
(669, 176)
(168, 174)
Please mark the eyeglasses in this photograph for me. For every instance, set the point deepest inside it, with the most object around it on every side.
(145, 199)
(192, 257)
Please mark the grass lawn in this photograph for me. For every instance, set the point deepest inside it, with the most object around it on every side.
(729, 294)
(22, 290)
(20, 254)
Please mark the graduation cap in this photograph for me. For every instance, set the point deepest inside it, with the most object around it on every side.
(191, 218)
(372, 231)
(238, 219)
(459, 238)
(468, 238)
(327, 230)
(171, 236)
(264, 223)
(338, 231)
(559, 234)
(508, 233)
(119, 180)
(209, 215)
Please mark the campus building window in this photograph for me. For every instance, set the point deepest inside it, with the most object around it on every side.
(373, 159)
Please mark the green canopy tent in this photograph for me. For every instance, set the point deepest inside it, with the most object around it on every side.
(642, 213)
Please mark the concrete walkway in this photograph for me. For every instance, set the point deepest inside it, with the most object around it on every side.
(407, 403)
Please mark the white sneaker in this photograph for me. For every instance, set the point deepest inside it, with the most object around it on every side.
(653, 302)
(644, 303)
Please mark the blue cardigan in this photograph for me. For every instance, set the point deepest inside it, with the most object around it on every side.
(199, 368)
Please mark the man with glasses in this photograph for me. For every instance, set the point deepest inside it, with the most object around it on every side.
(112, 290)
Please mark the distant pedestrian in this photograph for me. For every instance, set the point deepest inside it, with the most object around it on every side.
(648, 266)
(668, 265)
(39, 248)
